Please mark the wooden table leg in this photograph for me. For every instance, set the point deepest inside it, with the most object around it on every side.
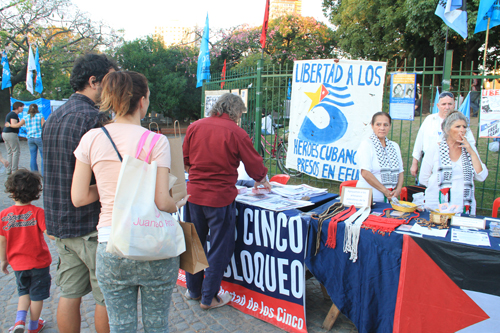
(331, 317)
(325, 293)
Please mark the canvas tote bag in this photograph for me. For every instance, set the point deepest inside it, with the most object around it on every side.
(139, 230)
(179, 189)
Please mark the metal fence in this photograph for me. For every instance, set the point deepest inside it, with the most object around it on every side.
(267, 95)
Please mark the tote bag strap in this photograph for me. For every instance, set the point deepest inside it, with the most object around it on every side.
(142, 142)
(114, 146)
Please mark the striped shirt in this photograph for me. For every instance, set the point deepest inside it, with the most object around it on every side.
(61, 135)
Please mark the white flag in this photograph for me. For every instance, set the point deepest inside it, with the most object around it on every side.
(29, 71)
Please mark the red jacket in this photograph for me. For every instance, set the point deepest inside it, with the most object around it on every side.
(213, 148)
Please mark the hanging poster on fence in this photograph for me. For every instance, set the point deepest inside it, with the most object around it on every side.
(402, 99)
(243, 93)
(211, 97)
(266, 274)
(489, 126)
(332, 106)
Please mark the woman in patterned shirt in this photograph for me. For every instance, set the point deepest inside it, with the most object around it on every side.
(34, 122)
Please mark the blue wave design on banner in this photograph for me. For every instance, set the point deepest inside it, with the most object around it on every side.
(338, 124)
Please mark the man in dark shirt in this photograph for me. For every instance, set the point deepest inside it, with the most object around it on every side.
(74, 228)
(212, 149)
(11, 138)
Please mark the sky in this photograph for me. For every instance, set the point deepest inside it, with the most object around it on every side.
(139, 18)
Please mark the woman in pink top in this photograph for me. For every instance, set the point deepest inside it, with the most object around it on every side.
(127, 95)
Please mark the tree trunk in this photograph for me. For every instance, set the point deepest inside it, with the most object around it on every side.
(5, 106)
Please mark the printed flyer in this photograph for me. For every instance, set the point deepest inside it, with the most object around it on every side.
(402, 100)
(489, 125)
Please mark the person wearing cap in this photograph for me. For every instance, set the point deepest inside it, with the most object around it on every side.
(430, 132)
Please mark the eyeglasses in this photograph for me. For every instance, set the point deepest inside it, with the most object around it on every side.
(446, 94)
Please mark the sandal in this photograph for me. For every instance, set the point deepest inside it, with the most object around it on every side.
(187, 295)
(221, 301)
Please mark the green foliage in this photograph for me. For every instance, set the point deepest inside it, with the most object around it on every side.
(171, 78)
(398, 29)
(289, 38)
(61, 32)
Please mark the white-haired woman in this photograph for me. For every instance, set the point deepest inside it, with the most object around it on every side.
(450, 168)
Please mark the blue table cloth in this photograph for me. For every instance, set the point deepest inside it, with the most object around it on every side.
(367, 291)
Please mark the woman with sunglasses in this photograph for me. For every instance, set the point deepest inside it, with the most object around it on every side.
(450, 168)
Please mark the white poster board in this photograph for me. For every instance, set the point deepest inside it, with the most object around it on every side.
(211, 97)
(489, 126)
(332, 106)
(243, 93)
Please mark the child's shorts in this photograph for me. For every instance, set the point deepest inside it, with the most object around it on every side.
(34, 282)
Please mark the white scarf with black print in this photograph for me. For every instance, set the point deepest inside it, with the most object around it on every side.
(389, 161)
(445, 171)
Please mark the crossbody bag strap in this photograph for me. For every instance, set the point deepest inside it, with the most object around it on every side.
(114, 146)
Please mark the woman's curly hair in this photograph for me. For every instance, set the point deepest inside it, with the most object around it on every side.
(24, 186)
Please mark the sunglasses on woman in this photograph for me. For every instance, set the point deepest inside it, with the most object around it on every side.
(446, 94)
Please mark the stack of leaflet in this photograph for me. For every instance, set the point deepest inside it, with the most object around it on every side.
(297, 192)
(271, 201)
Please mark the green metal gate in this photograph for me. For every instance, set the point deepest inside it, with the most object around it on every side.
(267, 95)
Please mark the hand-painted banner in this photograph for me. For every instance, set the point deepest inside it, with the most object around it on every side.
(332, 106)
(266, 275)
(402, 100)
(489, 126)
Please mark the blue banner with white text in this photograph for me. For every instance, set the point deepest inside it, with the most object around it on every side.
(266, 275)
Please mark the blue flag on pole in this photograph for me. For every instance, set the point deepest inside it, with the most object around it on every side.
(436, 101)
(487, 8)
(5, 72)
(289, 92)
(465, 107)
(454, 14)
(203, 72)
(38, 84)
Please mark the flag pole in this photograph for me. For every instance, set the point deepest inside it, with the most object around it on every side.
(486, 47)
(444, 57)
(263, 34)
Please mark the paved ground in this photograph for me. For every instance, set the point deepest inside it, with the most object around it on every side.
(185, 316)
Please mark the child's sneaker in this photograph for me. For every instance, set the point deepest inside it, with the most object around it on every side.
(41, 326)
(18, 327)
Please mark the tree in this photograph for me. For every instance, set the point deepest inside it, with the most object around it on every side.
(289, 38)
(61, 32)
(397, 29)
(171, 76)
